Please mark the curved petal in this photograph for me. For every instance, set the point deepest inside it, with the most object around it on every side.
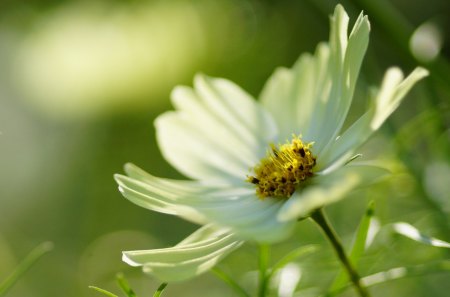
(217, 133)
(393, 90)
(287, 90)
(313, 98)
(346, 56)
(291, 94)
(195, 255)
(235, 208)
(195, 154)
(326, 189)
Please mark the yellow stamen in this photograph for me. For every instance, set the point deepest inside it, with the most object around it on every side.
(285, 167)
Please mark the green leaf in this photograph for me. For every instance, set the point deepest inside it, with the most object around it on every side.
(403, 272)
(160, 290)
(397, 273)
(229, 281)
(123, 284)
(107, 293)
(358, 247)
(24, 266)
(411, 232)
(291, 256)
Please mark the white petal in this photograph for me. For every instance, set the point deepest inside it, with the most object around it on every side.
(313, 98)
(217, 133)
(211, 126)
(141, 195)
(393, 90)
(345, 62)
(195, 154)
(235, 208)
(195, 255)
(254, 219)
(285, 91)
(391, 94)
(327, 189)
(237, 108)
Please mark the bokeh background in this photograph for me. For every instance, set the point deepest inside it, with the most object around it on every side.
(82, 81)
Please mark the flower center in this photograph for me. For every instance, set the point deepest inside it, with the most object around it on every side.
(283, 169)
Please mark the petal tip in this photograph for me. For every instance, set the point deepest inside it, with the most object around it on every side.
(126, 259)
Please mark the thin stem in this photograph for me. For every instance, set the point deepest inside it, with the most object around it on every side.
(264, 256)
(319, 217)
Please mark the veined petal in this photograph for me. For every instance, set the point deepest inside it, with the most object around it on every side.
(254, 219)
(140, 195)
(217, 133)
(237, 109)
(236, 208)
(313, 98)
(347, 53)
(291, 94)
(393, 90)
(327, 189)
(195, 154)
(195, 255)
(188, 102)
(391, 94)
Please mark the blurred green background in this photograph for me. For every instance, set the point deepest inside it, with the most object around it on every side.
(82, 81)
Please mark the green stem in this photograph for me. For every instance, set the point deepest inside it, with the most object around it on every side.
(264, 256)
(319, 217)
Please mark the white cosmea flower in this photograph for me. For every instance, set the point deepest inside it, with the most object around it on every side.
(258, 166)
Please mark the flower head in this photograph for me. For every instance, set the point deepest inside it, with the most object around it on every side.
(256, 167)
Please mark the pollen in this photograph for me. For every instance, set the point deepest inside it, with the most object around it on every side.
(284, 169)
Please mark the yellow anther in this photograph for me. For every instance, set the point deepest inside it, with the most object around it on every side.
(283, 169)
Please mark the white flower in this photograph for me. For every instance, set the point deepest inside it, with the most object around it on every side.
(219, 136)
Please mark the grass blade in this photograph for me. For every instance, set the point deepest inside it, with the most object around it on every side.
(123, 284)
(100, 290)
(160, 290)
(24, 266)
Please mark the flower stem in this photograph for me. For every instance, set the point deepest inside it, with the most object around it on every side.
(319, 217)
(264, 255)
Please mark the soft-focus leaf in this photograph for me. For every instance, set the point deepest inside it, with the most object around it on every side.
(403, 272)
(123, 284)
(292, 256)
(358, 247)
(107, 293)
(229, 281)
(411, 232)
(24, 266)
(398, 273)
(160, 290)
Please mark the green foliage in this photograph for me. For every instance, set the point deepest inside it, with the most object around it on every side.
(358, 247)
(123, 284)
(103, 291)
(160, 290)
(24, 266)
(56, 179)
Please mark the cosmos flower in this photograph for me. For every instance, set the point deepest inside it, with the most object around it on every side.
(256, 167)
